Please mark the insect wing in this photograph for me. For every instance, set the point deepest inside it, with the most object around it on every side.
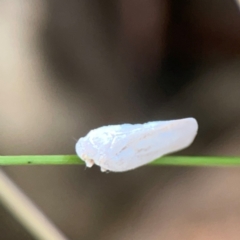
(149, 141)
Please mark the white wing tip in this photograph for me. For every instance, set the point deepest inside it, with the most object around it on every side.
(194, 123)
(191, 128)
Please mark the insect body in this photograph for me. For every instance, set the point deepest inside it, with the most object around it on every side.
(120, 148)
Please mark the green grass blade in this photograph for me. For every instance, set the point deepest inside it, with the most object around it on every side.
(73, 159)
(211, 161)
(40, 160)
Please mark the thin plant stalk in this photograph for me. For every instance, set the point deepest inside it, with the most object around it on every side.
(26, 212)
(196, 161)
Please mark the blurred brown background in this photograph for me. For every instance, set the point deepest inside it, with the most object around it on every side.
(69, 66)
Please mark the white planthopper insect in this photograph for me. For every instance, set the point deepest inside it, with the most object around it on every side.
(120, 148)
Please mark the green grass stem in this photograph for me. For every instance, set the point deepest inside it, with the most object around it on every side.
(74, 160)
